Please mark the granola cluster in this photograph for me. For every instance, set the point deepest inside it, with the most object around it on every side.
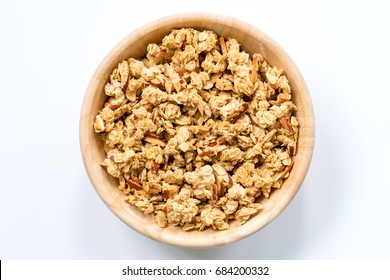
(197, 130)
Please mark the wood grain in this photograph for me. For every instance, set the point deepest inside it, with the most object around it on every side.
(134, 45)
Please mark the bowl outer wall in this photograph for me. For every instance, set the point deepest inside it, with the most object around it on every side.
(134, 45)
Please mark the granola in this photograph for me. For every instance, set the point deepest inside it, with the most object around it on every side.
(197, 130)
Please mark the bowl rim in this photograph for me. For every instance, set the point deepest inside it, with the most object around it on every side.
(84, 126)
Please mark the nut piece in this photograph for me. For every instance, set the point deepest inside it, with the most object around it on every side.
(99, 124)
(134, 184)
(155, 140)
(292, 149)
(253, 121)
(221, 173)
(205, 153)
(223, 45)
(156, 167)
(287, 125)
(255, 68)
(285, 173)
(123, 68)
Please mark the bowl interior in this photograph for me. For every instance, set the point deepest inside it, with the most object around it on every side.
(134, 45)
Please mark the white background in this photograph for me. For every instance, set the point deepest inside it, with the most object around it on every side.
(49, 51)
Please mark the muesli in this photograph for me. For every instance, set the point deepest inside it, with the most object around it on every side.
(197, 130)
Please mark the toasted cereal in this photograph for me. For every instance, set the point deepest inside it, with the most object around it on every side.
(197, 130)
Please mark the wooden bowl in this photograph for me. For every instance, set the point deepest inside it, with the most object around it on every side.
(134, 45)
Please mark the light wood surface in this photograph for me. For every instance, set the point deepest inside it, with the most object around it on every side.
(134, 45)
